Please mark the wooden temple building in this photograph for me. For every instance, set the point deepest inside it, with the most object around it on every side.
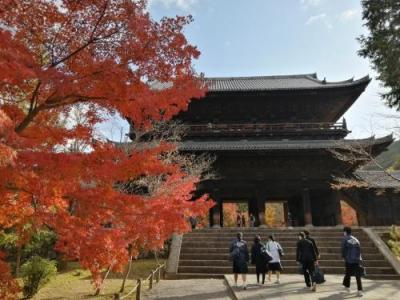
(272, 137)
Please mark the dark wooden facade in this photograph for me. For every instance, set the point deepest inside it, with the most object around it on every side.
(271, 137)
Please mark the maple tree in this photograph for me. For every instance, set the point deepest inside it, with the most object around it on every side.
(104, 58)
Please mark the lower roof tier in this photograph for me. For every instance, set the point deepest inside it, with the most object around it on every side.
(272, 145)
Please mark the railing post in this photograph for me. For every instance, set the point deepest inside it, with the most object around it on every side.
(158, 274)
(139, 289)
(151, 280)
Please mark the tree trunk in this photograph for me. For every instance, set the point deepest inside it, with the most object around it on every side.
(102, 282)
(18, 260)
(128, 270)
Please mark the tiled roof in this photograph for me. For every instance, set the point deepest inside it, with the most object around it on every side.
(269, 83)
(265, 83)
(254, 145)
(379, 179)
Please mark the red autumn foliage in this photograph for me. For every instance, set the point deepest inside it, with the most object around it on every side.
(8, 286)
(105, 55)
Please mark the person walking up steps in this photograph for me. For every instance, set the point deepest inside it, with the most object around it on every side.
(306, 256)
(351, 253)
(274, 265)
(259, 258)
(308, 237)
(239, 254)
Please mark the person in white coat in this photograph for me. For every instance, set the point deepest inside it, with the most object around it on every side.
(276, 252)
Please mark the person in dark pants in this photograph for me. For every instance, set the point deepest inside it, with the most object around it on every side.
(258, 259)
(243, 220)
(351, 253)
(308, 237)
(238, 219)
(306, 256)
(193, 222)
(239, 254)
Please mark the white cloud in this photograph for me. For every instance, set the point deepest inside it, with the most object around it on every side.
(321, 18)
(348, 15)
(185, 5)
(307, 3)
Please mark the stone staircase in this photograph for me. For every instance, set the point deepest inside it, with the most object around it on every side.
(205, 253)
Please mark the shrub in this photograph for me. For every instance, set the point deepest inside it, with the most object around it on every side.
(41, 244)
(394, 242)
(35, 273)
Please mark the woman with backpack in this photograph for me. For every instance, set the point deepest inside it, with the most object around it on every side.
(276, 252)
(259, 258)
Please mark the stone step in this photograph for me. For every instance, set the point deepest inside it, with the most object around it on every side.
(286, 250)
(229, 238)
(205, 253)
(263, 233)
(286, 269)
(326, 263)
(220, 276)
(284, 244)
(288, 256)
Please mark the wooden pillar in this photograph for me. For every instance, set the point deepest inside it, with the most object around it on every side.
(216, 211)
(261, 208)
(336, 197)
(307, 207)
(253, 209)
(286, 213)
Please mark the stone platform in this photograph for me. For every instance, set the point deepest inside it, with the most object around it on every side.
(292, 287)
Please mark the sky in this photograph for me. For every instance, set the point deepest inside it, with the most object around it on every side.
(281, 37)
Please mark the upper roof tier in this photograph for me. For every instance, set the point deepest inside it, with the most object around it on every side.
(273, 99)
(281, 82)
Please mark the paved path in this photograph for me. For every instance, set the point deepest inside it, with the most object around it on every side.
(292, 288)
(189, 289)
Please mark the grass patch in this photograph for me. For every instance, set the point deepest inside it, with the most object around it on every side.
(75, 283)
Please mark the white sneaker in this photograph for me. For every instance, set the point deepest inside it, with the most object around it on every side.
(314, 287)
(360, 293)
(277, 282)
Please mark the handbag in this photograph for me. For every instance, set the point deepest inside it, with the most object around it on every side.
(362, 271)
(318, 276)
(265, 254)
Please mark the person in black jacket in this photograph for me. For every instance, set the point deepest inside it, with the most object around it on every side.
(258, 259)
(308, 237)
(306, 256)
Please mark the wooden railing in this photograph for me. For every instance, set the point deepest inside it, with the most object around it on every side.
(136, 292)
(263, 128)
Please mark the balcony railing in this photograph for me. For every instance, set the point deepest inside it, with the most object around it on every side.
(266, 129)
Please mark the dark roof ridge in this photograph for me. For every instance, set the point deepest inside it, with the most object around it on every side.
(311, 75)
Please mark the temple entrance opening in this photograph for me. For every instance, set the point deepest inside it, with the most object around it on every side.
(276, 214)
(349, 214)
(236, 214)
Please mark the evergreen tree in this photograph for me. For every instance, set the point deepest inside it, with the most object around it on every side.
(382, 45)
